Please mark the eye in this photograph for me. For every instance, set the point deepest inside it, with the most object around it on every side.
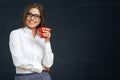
(36, 15)
(29, 14)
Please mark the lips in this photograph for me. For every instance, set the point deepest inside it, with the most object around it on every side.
(31, 22)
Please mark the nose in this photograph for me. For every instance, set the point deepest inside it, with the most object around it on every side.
(32, 17)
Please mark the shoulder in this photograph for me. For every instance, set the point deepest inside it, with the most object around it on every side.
(16, 32)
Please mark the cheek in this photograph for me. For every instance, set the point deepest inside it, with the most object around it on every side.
(26, 22)
(38, 22)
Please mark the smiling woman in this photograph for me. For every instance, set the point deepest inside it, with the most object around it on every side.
(31, 54)
(38, 12)
(33, 18)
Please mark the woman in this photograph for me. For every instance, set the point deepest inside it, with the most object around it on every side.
(31, 54)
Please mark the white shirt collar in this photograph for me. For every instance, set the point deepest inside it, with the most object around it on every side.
(27, 30)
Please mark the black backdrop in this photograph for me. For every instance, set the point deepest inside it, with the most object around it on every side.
(85, 37)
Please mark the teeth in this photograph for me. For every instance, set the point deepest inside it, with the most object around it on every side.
(31, 22)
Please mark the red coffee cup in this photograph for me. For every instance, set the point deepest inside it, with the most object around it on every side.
(41, 31)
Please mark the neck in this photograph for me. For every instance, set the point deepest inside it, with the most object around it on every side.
(34, 31)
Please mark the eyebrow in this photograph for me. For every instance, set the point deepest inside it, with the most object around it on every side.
(32, 13)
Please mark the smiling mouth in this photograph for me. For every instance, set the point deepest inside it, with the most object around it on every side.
(31, 22)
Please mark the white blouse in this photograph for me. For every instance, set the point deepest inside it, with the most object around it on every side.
(28, 53)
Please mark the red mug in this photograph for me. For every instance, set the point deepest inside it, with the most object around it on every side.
(41, 31)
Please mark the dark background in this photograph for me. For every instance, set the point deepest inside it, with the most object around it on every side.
(85, 37)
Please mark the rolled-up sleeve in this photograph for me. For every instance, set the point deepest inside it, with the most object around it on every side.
(48, 55)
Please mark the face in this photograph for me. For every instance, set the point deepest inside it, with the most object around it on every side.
(33, 18)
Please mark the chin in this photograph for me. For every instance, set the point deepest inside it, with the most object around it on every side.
(32, 27)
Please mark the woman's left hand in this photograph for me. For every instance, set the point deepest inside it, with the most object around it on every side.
(47, 35)
(45, 68)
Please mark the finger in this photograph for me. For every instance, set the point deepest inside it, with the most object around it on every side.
(46, 34)
(46, 31)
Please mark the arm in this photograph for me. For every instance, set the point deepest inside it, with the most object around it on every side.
(48, 54)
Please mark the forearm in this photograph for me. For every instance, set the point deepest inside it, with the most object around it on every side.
(32, 68)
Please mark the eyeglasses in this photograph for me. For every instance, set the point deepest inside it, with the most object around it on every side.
(36, 16)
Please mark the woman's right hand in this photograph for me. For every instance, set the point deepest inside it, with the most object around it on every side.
(45, 68)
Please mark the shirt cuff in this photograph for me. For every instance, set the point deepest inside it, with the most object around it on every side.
(37, 68)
